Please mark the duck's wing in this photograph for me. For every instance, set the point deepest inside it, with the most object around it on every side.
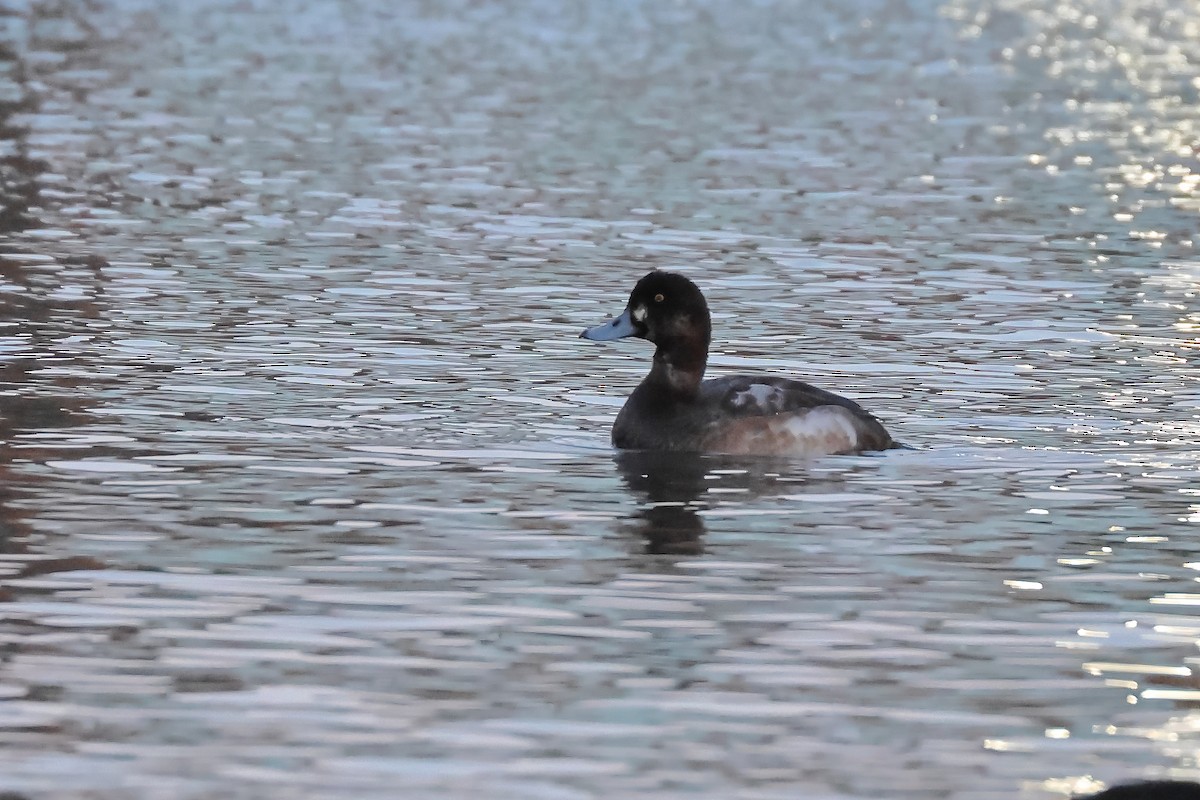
(765, 414)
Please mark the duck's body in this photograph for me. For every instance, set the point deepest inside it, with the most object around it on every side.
(747, 415)
(675, 410)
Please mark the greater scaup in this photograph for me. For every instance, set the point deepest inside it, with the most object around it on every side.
(674, 409)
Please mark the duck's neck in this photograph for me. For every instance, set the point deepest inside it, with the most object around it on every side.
(680, 367)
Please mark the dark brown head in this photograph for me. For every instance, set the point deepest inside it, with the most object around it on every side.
(669, 310)
(665, 308)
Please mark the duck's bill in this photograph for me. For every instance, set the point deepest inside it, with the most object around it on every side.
(616, 328)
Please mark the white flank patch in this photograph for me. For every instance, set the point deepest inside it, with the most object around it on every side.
(827, 428)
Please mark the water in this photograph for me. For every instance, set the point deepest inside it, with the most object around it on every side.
(306, 481)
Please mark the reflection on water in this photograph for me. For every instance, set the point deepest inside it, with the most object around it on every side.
(676, 490)
(26, 338)
(304, 476)
(673, 486)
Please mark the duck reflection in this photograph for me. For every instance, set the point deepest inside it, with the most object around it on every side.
(677, 487)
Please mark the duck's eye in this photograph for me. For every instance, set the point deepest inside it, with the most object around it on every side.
(658, 298)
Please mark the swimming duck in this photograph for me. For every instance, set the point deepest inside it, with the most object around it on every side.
(675, 409)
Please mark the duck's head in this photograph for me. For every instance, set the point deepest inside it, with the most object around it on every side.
(665, 308)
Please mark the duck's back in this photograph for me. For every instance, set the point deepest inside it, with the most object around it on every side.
(765, 415)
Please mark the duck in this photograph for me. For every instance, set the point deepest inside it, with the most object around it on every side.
(674, 409)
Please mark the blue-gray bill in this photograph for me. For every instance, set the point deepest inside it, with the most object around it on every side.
(616, 328)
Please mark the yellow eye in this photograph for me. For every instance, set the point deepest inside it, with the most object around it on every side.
(658, 298)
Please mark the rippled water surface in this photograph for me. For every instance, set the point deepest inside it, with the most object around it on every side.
(305, 476)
